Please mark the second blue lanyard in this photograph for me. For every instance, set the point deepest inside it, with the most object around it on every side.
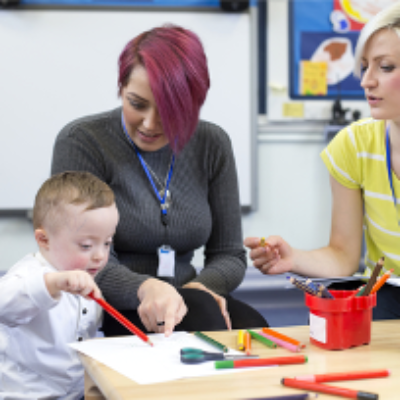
(389, 170)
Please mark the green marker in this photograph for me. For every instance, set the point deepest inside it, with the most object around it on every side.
(262, 339)
(211, 341)
(261, 362)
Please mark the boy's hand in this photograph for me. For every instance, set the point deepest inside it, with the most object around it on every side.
(75, 282)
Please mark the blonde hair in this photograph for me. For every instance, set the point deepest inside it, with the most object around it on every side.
(72, 187)
(388, 18)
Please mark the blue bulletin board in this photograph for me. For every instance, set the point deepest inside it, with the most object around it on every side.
(320, 31)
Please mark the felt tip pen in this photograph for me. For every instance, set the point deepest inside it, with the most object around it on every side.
(345, 376)
(260, 362)
(262, 339)
(247, 343)
(288, 346)
(240, 340)
(211, 341)
(333, 390)
(120, 318)
(281, 336)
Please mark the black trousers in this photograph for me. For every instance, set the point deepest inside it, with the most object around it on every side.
(387, 299)
(203, 314)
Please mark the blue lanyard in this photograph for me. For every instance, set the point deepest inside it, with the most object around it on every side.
(388, 165)
(164, 218)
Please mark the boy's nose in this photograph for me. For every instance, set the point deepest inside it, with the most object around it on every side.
(98, 255)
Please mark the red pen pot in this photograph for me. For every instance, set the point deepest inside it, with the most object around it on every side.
(342, 322)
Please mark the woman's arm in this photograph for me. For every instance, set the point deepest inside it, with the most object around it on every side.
(225, 257)
(340, 258)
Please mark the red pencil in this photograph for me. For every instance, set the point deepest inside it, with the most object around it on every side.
(120, 318)
(345, 376)
(334, 390)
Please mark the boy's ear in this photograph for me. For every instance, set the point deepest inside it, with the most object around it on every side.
(42, 238)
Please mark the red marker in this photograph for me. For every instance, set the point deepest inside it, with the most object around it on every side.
(334, 390)
(120, 318)
(345, 376)
(260, 362)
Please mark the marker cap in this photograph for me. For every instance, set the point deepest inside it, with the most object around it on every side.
(224, 364)
(367, 396)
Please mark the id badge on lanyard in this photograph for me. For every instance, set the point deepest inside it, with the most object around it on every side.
(166, 261)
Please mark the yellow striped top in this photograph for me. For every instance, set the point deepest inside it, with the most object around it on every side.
(356, 158)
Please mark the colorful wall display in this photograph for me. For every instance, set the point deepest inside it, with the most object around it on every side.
(326, 32)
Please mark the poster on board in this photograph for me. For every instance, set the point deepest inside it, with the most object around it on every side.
(326, 31)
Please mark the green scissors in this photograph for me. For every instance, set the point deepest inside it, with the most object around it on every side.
(190, 355)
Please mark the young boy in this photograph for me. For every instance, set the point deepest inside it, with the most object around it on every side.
(43, 302)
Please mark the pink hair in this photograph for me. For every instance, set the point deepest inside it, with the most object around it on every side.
(176, 64)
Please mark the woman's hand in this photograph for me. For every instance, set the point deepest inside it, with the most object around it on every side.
(275, 257)
(160, 303)
(219, 299)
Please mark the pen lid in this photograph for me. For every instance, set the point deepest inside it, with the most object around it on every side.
(224, 364)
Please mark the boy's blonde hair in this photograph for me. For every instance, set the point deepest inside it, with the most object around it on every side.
(388, 18)
(71, 187)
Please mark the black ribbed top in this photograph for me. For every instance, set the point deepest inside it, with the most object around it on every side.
(205, 209)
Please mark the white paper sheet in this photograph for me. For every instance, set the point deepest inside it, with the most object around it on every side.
(144, 364)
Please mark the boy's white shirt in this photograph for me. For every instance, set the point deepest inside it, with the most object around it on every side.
(35, 329)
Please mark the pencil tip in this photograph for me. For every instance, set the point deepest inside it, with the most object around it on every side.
(150, 342)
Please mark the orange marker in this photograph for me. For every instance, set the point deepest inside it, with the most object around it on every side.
(247, 343)
(381, 281)
(288, 339)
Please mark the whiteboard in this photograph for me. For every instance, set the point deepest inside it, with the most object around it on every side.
(59, 65)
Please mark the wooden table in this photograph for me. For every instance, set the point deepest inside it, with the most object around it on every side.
(383, 352)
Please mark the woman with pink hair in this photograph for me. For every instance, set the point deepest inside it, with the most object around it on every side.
(175, 182)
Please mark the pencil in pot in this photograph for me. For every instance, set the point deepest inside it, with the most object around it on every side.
(374, 276)
(120, 318)
(381, 281)
(303, 286)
